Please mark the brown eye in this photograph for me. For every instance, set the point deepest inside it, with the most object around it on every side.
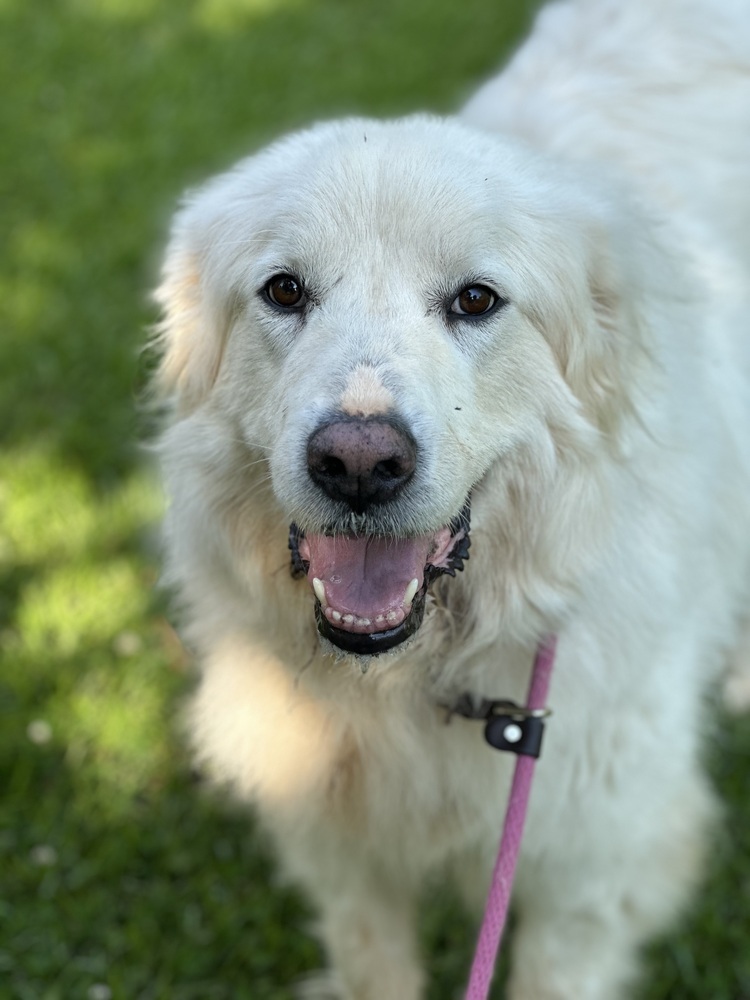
(286, 291)
(473, 301)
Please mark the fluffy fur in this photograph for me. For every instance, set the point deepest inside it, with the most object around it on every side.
(600, 421)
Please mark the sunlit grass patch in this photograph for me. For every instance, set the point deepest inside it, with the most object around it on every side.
(71, 608)
(81, 636)
(47, 509)
(116, 725)
(227, 15)
(51, 512)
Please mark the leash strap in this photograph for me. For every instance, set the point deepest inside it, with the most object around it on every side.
(496, 908)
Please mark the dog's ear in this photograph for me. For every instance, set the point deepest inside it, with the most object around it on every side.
(602, 345)
(614, 351)
(191, 334)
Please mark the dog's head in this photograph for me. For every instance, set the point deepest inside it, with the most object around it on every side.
(396, 318)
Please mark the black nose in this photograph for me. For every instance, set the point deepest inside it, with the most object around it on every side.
(361, 461)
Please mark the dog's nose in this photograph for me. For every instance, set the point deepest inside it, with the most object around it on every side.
(361, 461)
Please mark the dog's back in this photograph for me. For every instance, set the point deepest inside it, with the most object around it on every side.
(659, 91)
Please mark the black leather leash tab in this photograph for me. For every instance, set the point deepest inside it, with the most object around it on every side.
(521, 736)
(508, 726)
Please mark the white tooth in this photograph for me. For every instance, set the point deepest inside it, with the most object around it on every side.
(392, 616)
(348, 619)
(336, 615)
(411, 591)
(379, 618)
(363, 621)
(320, 591)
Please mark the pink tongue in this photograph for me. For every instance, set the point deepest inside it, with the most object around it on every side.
(366, 576)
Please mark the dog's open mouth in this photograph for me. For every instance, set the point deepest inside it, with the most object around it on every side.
(370, 590)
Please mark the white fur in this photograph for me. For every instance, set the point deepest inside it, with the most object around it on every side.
(601, 417)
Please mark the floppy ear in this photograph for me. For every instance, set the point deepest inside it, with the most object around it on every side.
(191, 334)
(602, 346)
(615, 351)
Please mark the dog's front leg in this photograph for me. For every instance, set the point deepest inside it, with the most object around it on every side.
(370, 939)
(589, 901)
(367, 924)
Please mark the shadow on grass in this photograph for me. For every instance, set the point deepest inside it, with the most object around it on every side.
(165, 899)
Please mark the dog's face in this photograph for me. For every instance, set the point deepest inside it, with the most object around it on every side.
(389, 314)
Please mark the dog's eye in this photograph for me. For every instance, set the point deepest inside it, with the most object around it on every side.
(286, 291)
(473, 301)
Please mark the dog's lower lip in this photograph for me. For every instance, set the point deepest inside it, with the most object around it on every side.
(371, 643)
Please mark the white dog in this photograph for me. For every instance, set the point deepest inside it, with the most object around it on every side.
(536, 313)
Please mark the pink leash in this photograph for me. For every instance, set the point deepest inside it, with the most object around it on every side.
(496, 908)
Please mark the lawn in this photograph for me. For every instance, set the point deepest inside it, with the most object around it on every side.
(120, 876)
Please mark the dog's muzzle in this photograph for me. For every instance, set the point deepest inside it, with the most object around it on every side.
(370, 591)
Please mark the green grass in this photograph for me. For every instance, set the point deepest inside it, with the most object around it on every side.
(116, 870)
